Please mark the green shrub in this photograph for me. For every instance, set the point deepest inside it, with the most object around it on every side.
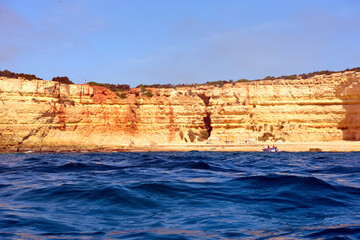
(8, 74)
(309, 75)
(27, 76)
(269, 78)
(219, 83)
(156, 86)
(291, 77)
(148, 93)
(121, 94)
(142, 89)
(243, 80)
(112, 87)
(64, 80)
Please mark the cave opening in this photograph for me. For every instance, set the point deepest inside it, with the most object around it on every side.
(207, 122)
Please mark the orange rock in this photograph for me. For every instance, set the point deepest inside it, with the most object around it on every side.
(45, 115)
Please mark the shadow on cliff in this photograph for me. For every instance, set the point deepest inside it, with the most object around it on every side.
(207, 117)
(349, 92)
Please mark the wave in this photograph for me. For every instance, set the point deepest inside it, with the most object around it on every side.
(88, 194)
(296, 183)
(336, 170)
(76, 166)
(346, 232)
(278, 181)
(198, 165)
(212, 195)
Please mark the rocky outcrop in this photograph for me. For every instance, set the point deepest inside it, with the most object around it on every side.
(47, 116)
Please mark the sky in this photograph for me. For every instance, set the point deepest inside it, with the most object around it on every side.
(177, 41)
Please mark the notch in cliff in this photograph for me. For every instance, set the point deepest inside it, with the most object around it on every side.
(207, 122)
(205, 99)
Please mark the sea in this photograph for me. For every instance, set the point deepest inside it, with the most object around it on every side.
(180, 195)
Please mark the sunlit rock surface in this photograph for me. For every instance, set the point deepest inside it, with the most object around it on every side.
(47, 116)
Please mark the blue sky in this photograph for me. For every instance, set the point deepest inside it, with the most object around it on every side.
(177, 41)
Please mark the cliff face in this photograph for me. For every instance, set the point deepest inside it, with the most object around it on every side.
(43, 115)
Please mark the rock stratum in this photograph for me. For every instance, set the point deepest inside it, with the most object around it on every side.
(42, 115)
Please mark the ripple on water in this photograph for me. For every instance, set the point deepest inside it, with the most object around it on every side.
(180, 195)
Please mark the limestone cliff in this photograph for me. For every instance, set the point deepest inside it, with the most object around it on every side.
(47, 116)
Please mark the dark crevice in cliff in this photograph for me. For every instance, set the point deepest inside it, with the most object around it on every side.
(207, 122)
(31, 133)
(205, 99)
(132, 119)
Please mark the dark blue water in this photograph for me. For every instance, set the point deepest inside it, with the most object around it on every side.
(193, 195)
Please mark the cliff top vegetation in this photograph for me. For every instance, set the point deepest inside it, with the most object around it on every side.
(64, 80)
(8, 74)
(112, 87)
(125, 87)
(310, 75)
(221, 83)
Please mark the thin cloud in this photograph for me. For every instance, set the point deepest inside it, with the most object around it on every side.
(60, 34)
(81, 37)
(304, 43)
(8, 52)
(13, 26)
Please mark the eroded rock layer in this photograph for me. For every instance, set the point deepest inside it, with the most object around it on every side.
(47, 116)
